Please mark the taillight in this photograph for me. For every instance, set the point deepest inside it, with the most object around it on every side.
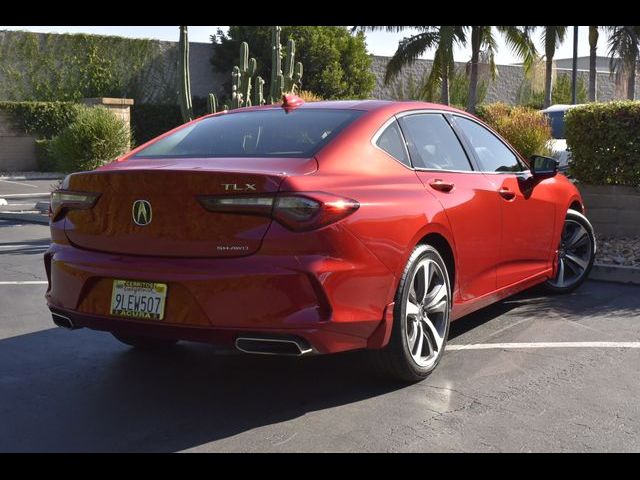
(64, 200)
(296, 211)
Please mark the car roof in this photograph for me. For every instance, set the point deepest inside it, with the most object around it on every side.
(366, 105)
(560, 108)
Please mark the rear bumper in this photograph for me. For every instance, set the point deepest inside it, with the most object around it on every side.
(321, 341)
(334, 304)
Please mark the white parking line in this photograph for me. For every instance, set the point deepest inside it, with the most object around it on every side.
(28, 282)
(489, 346)
(20, 183)
(22, 245)
(27, 195)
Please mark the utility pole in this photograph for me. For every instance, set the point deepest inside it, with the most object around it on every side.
(574, 70)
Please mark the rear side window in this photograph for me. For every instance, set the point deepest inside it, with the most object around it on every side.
(433, 144)
(391, 141)
(259, 133)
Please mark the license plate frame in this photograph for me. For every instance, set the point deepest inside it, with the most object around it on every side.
(148, 299)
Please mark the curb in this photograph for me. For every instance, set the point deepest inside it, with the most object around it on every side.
(25, 217)
(615, 273)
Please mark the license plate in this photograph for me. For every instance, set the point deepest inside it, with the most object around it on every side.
(138, 299)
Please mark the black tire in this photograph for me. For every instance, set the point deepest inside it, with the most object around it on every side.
(588, 249)
(143, 342)
(395, 360)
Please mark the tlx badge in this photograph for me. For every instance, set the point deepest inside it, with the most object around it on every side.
(236, 187)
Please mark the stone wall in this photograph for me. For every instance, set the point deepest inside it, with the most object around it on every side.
(17, 149)
(612, 209)
(506, 86)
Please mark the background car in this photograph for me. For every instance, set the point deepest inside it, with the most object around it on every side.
(317, 228)
(558, 143)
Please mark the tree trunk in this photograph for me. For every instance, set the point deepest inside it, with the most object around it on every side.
(631, 80)
(444, 86)
(547, 81)
(473, 73)
(593, 76)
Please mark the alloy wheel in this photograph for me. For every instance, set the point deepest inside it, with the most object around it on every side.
(426, 313)
(574, 255)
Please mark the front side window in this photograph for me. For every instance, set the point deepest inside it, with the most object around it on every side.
(493, 155)
(259, 133)
(432, 143)
(391, 141)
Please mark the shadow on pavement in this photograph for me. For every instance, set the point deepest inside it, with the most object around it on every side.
(592, 298)
(82, 391)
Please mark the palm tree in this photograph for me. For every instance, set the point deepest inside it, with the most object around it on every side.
(624, 43)
(552, 37)
(442, 38)
(593, 51)
(482, 38)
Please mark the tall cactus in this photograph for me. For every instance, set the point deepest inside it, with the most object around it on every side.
(275, 93)
(242, 76)
(212, 103)
(258, 91)
(292, 74)
(288, 81)
(184, 80)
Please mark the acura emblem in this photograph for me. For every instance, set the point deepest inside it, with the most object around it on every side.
(141, 212)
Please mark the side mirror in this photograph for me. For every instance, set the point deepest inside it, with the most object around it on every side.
(543, 167)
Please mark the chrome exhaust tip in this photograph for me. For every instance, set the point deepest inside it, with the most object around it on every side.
(64, 322)
(273, 346)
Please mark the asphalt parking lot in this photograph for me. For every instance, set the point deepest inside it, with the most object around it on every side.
(84, 391)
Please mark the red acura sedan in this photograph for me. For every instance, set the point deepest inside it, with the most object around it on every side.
(311, 229)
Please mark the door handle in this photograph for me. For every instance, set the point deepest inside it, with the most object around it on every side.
(507, 194)
(441, 186)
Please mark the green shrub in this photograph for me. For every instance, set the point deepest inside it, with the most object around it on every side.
(604, 139)
(527, 130)
(44, 119)
(97, 136)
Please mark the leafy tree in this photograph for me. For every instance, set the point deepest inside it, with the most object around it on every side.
(410, 89)
(483, 39)
(560, 93)
(442, 38)
(336, 63)
(624, 43)
(552, 37)
(593, 52)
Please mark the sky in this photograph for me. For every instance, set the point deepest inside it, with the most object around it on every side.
(378, 43)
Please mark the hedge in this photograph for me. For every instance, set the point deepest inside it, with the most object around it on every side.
(43, 119)
(604, 139)
(527, 130)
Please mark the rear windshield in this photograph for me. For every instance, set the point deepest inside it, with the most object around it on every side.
(258, 133)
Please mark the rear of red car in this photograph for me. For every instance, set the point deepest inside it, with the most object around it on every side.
(199, 236)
